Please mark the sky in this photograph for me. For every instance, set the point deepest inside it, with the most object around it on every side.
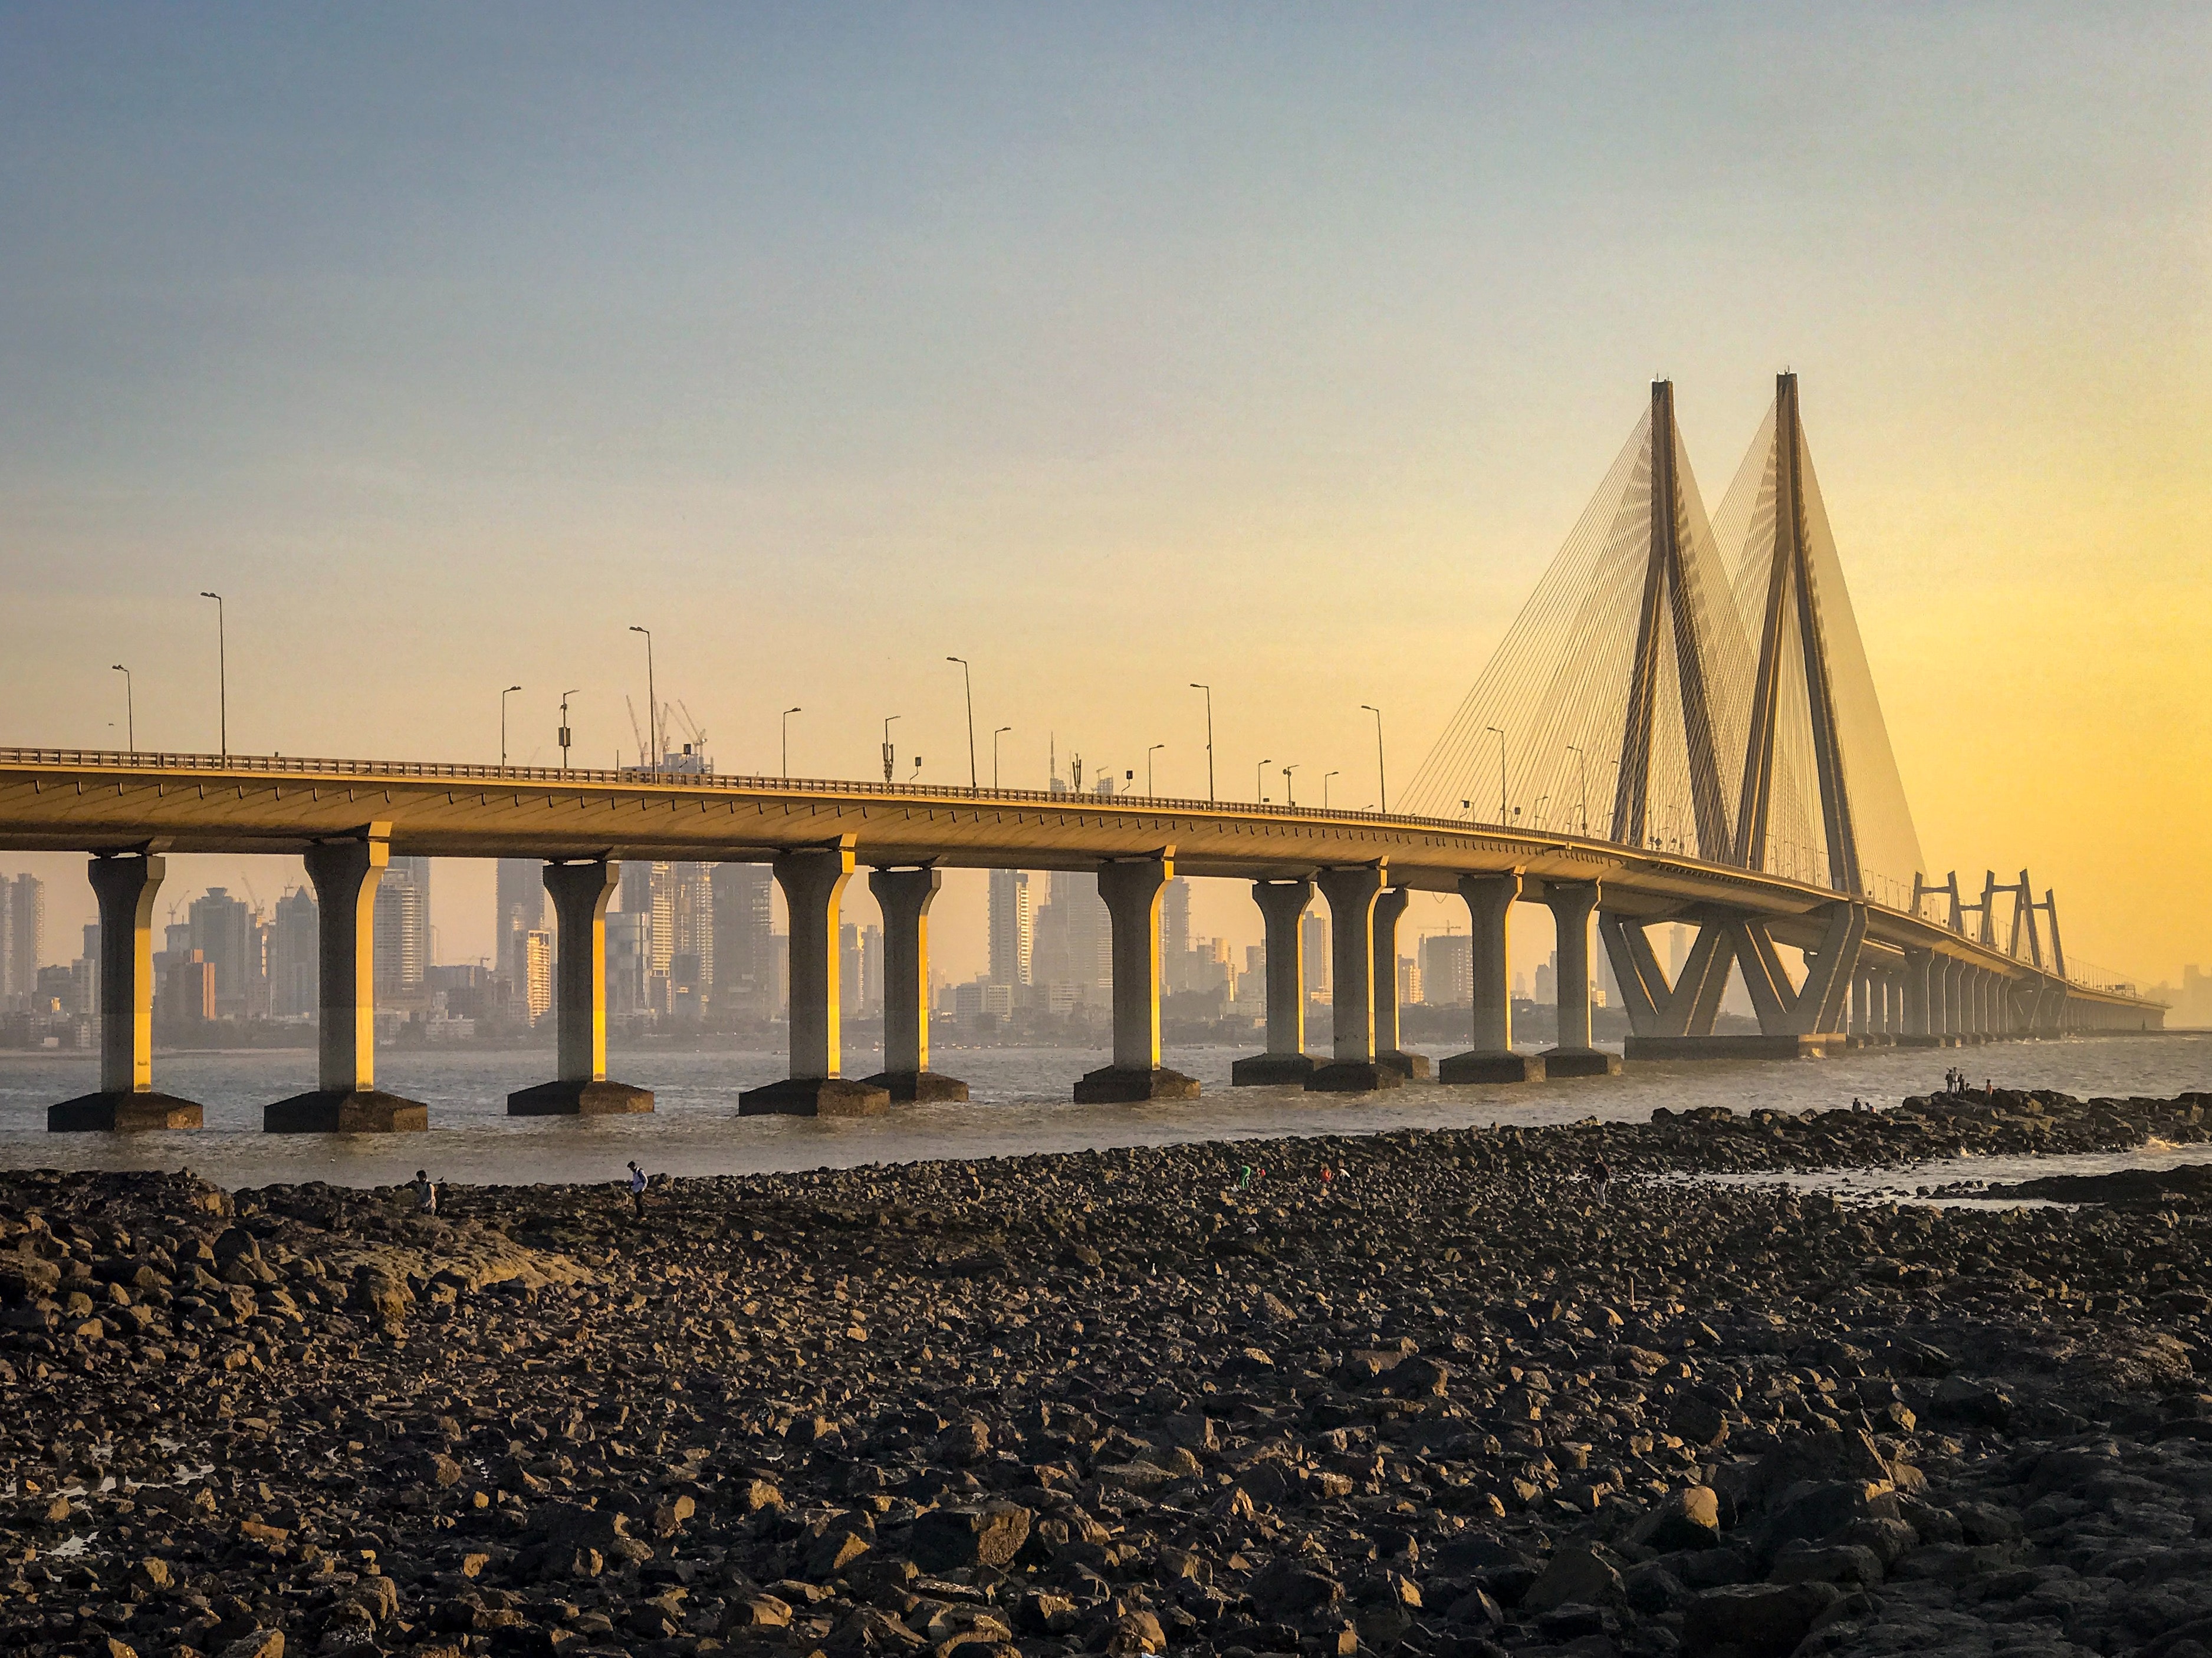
(1109, 348)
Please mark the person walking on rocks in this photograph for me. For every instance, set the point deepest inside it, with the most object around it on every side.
(638, 1189)
(1601, 1178)
(426, 1193)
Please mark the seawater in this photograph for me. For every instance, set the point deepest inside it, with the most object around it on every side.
(1021, 1105)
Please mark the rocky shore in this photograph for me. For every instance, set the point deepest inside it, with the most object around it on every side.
(1426, 1394)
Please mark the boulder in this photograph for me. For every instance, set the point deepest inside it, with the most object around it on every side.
(990, 1534)
(1759, 1620)
(1577, 1573)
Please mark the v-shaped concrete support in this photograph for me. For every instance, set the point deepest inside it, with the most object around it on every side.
(1816, 1007)
(1687, 1007)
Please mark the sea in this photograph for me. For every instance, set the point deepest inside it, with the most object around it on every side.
(1020, 1105)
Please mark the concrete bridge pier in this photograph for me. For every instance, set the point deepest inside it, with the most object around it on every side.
(1917, 993)
(1389, 906)
(904, 896)
(1353, 1067)
(347, 1099)
(125, 887)
(579, 893)
(1571, 904)
(1490, 900)
(1282, 909)
(813, 882)
(1131, 888)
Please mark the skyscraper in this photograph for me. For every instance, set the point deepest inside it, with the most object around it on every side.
(402, 927)
(1074, 946)
(745, 950)
(293, 990)
(1175, 934)
(1448, 968)
(521, 896)
(223, 933)
(1013, 936)
(1313, 943)
(23, 923)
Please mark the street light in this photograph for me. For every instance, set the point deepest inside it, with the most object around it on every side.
(503, 696)
(995, 735)
(1208, 690)
(890, 758)
(652, 701)
(222, 673)
(1582, 761)
(968, 679)
(565, 696)
(130, 712)
(1325, 776)
(787, 712)
(1288, 800)
(1260, 780)
(1382, 783)
(1149, 753)
(1501, 773)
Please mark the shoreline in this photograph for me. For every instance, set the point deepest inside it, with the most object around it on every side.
(1447, 1399)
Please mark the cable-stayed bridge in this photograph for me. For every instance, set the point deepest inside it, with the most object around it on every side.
(1680, 729)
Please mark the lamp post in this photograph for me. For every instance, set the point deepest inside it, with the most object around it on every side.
(1260, 781)
(968, 679)
(565, 696)
(1501, 773)
(1382, 783)
(652, 701)
(1288, 800)
(787, 712)
(1208, 690)
(995, 735)
(130, 711)
(1582, 761)
(1149, 753)
(503, 696)
(890, 758)
(222, 674)
(1325, 776)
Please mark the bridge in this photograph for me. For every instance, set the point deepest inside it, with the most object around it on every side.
(1753, 799)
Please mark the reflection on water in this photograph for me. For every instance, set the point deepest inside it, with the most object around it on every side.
(1918, 1180)
(1020, 1106)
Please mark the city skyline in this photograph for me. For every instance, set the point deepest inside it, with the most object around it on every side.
(1312, 360)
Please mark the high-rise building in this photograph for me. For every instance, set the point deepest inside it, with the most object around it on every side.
(1074, 947)
(90, 961)
(1448, 968)
(627, 937)
(521, 897)
(745, 955)
(1174, 935)
(402, 927)
(1313, 942)
(23, 923)
(222, 931)
(1013, 931)
(292, 988)
(850, 984)
(537, 984)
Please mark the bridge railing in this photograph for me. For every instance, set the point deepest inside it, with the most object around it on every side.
(635, 776)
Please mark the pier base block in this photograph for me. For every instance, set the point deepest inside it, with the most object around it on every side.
(814, 1097)
(1413, 1067)
(1261, 1070)
(1492, 1068)
(1111, 1085)
(1734, 1048)
(919, 1087)
(121, 1112)
(1580, 1062)
(1354, 1077)
(579, 1099)
(346, 1111)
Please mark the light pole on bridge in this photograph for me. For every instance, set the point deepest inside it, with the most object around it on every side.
(1260, 781)
(503, 696)
(130, 710)
(221, 675)
(651, 704)
(891, 757)
(1382, 782)
(1208, 690)
(995, 735)
(1581, 761)
(565, 696)
(1288, 800)
(787, 712)
(1325, 776)
(968, 679)
(1149, 753)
